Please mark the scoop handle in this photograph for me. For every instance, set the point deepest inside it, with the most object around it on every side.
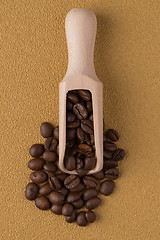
(81, 26)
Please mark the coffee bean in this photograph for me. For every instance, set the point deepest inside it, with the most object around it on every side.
(55, 183)
(112, 173)
(62, 176)
(50, 174)
(89, 163)
(109, 146)
(112, 135)
(67, 209)
(78, 203)
(56, 133)
(93, 203)
(118, 155)
(84, 94)
(73, 151)
(80, 111)
(45, 189)
(56, 209)
(50, 167)
(72, 181)
(70, 134)
(90, 181)
(87, 126)
(72, 97)
(106, 188)
(46, 129)
(80, 135)
(56, 198)
(91, 216)
(73, 196)
(71, 218)
(99, 175)
(70, 143)
(81, 172)
(85, 148)
(70, 163)
(70, 117)
(64, 191)
(36, 150)
(36, 164)
(31, 191)
(50, 156)
(42, 203)
(90, 193)
(81, 219)
(79, 188)
(79, 163)
(51, 143)
(38, 176)
(107, 155)
(74, 124)
(69, 106)
(109, 164)
(89, 107)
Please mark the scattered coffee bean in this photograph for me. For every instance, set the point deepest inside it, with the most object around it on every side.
(56, 209)
(79, 188)
(36, 164)
(72, 181)
(49, 156)
(93, 203)
(46, 129)
(62, 176)
(112, 135)
(109, 146)
(73, 196)
(56, 198)
(78, 203)
(31, 191)
(110, 164)
(81, 172)
(99, 175)
(56, 133)
(112, 173)
(50, 167)
(118, 155)
(71, 218)
(106, 187)
(42, 203)
(90, 193)
(64, 191)
(36, 150)
(55, 183)
(81, 219)
(91, 216)
(107, 155)
(51, 143)
(45, 189)
(38, 176)
(90, 181)
(67, 209)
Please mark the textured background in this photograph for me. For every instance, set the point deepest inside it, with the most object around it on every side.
(127, 60)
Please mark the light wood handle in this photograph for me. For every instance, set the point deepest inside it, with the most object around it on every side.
(80, 26)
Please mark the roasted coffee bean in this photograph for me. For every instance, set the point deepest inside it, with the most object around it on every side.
(72, 97)
(78, 203)
(91, 139)
(112, 173)
(50, 156)
(56, 209)
(79, 163)
(118, 155)
(55, 183)
(70, 144)
(62, 176)
(80, 111)
(73, 151)
(69, 106)
(87, 126)
(36, 150)
(70, 134)
(112, 135)
(106, 188)
(93, 203)
(84, 94)
(85, 148)
(79, 188)
(91, 216)
(109, 164)
(107, 155)
(36, 164)
(81, 219)
(56, 198)
(42, 203)
(70, 163)
(71, 117)
(46, 129)
(73, 196)
(45, 189)
(31, 191)
(56, 133)
(74, 124)
(67, 209)
(80, 135)
(81, 172)
(38, 176)
(71, 218)
(90, 181)
(90, 193)
(99, 175)
(51, 143)
(72, 181)
(50, 167)
(50, 174)
(89, 107)
(109, 146)
(64, 191)
(89, 163)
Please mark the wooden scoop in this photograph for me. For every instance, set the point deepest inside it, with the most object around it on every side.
(80, 26)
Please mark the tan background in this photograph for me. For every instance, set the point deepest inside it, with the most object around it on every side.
(127, 60)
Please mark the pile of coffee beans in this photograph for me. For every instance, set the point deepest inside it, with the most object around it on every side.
(64, 193)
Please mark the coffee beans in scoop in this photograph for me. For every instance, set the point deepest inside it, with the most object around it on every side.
(75, 196)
